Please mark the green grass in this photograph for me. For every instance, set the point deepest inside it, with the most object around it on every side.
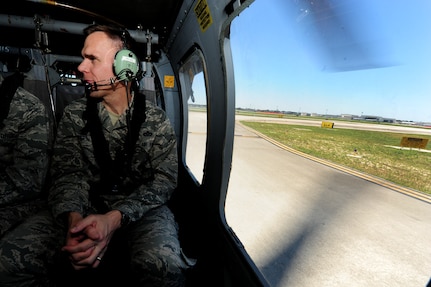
(365, 151)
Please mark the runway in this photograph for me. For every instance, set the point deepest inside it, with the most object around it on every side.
(308, 224)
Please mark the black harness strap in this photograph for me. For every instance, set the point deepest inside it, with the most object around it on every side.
(113, 171)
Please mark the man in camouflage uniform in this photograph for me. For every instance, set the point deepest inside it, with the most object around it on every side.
(24, 145)
(113, 171)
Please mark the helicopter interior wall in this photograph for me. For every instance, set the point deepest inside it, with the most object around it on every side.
(200, 207)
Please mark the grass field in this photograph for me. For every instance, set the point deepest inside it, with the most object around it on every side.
(366, 151)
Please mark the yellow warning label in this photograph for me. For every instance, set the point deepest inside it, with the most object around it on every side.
(414, 142)
(327, 125)
(203, 15)
(169, 81)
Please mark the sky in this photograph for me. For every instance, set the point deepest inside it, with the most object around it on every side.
(360, 57)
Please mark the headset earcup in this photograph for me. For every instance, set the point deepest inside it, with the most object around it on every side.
(126, 65)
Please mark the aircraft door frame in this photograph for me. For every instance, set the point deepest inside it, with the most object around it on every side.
(213, 42)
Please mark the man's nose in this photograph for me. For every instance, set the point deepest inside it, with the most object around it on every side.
(82, 67)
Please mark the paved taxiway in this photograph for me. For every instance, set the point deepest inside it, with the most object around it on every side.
(308, 224)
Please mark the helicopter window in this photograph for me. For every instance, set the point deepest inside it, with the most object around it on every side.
(348, 64)
(192, 76)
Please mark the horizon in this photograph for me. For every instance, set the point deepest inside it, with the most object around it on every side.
(313, 114)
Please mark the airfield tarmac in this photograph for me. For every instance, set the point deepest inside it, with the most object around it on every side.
(305, 223)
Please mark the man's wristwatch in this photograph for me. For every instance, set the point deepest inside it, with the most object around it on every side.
(125, 219)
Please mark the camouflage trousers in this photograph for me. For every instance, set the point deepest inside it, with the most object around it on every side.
(13, 215)
(145, 253)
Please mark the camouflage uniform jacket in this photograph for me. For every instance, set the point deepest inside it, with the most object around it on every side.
(74, 167)
(24, 150)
